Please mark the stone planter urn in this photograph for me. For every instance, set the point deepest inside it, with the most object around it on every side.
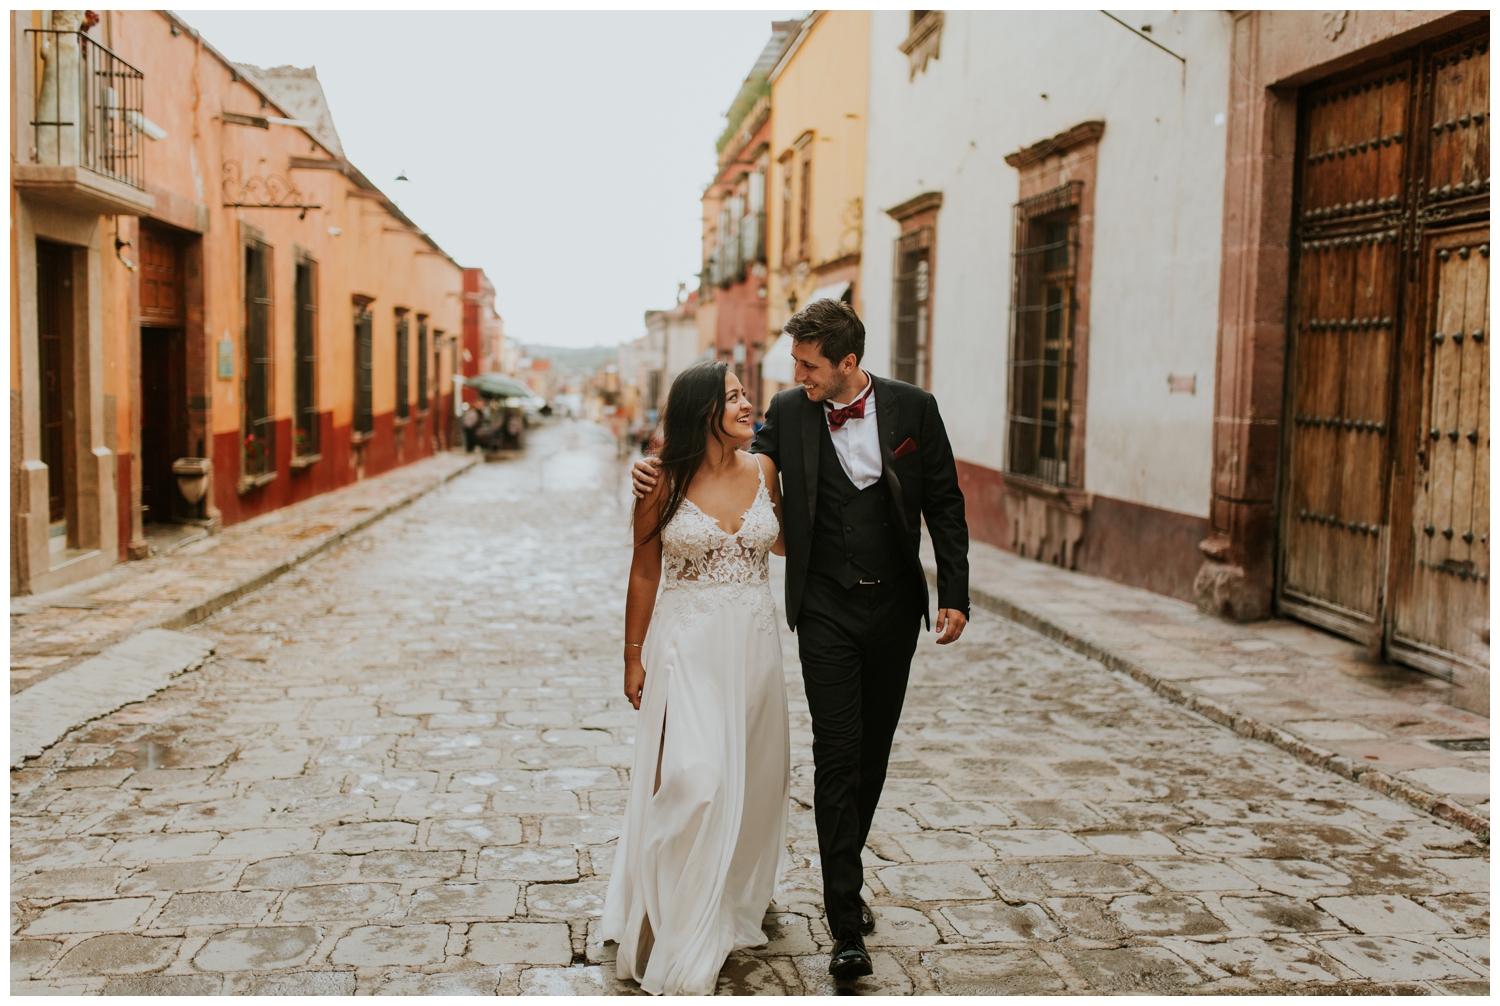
(192, 477)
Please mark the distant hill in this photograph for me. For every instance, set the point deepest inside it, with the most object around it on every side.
(566, 358)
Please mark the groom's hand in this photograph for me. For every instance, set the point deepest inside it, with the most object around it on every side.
(643, 476)
(950, 624)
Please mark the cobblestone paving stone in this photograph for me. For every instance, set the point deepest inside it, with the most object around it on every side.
(404, 771)
(1307, 691)
(52, 631)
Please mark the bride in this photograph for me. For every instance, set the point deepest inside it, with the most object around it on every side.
(706, 819)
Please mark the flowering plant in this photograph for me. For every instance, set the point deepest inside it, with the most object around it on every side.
(255, 447)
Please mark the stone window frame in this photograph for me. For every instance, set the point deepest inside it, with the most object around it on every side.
(788, 171)
(253, 241)
(401, 355)
(918, 219)
(362, 427)
(923, 41)
(1047, 522)
(802, 158)
(1070, 156)
(1043, 210)
(309, 454)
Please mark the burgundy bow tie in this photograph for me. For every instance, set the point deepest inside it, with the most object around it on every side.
(854, 410)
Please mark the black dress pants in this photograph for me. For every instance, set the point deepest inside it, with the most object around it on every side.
(856, 646)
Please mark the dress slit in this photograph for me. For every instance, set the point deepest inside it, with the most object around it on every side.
(661, 749)
(695, 866)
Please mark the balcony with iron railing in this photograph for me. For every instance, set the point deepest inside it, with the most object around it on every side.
(87, 125)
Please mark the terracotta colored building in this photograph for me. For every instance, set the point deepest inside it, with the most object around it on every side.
(213, 314)
(734, 288)
(484, 330)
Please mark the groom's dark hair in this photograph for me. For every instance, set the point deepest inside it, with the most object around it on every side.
(833, 325)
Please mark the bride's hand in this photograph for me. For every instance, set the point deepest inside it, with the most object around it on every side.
(635, 680)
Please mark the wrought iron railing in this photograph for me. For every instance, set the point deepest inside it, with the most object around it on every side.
(89, 106)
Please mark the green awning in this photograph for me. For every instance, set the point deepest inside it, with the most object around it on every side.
(499, 386)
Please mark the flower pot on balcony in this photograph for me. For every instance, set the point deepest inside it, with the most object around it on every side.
(192, 477)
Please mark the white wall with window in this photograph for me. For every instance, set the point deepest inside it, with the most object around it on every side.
(989, 84)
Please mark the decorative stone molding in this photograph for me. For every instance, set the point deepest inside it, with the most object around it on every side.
(1333, 23)
(927, 202)
(924, 42)
(1084, 132)
(1046, 522)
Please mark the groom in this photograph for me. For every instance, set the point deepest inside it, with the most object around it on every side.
(862, 459)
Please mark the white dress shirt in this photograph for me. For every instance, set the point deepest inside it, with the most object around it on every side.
(857, 442)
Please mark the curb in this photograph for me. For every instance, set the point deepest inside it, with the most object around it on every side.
(198, 611)
(128, 672)
(1246, 726)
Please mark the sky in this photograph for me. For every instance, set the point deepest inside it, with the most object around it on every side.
(564, 153)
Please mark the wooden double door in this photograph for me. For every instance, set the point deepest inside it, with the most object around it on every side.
(1384, 510)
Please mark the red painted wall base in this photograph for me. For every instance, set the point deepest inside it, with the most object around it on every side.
(338, 465)
(1133, 544)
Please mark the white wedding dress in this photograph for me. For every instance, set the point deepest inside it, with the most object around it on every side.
(697, 859)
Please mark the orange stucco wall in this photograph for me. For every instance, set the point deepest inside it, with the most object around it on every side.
(361, 247)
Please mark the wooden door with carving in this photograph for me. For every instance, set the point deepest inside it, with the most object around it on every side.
(1441, 545)
(1346, 308)
(1385, 469)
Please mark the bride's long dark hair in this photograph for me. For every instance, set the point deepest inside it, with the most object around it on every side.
(695, 411)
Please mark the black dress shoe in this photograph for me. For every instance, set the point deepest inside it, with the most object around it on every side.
(866, 918)
(850, 960)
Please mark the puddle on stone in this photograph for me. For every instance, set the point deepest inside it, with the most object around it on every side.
(149, 755)
(1464, 744)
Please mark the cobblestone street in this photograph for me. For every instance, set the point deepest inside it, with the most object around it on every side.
(405, 766)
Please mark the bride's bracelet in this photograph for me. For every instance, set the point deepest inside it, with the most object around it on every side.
(636, 645)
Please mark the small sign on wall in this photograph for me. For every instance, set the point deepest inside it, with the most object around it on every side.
(1182, 384)
(226, 358)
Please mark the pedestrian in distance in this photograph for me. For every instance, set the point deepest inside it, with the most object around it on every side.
(863, 460)
(705, 820)
(470, 422)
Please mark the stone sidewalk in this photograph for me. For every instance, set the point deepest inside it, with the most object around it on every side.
(404, 768)
(52, 632)
(1308, 692)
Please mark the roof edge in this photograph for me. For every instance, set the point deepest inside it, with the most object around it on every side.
(791, 50)
(350, 171)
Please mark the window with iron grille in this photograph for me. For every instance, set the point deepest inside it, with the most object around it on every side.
(1044, 304)
(910, 360)
(786, 212)
(258, 424)
(305, 423)
(403, 365)
(364, 370)
(804, 222)
(421, 363)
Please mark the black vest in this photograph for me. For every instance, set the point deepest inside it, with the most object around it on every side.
(855, 533)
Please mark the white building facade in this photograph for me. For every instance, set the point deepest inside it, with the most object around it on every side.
(1042, 234)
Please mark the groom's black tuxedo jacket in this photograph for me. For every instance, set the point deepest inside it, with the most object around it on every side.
(923, 482)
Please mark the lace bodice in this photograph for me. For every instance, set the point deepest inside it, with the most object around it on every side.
(696, 550)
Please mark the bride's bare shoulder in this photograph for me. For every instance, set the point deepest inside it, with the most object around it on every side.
(767, 466)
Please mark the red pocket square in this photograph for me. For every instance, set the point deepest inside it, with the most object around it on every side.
(907, 446)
